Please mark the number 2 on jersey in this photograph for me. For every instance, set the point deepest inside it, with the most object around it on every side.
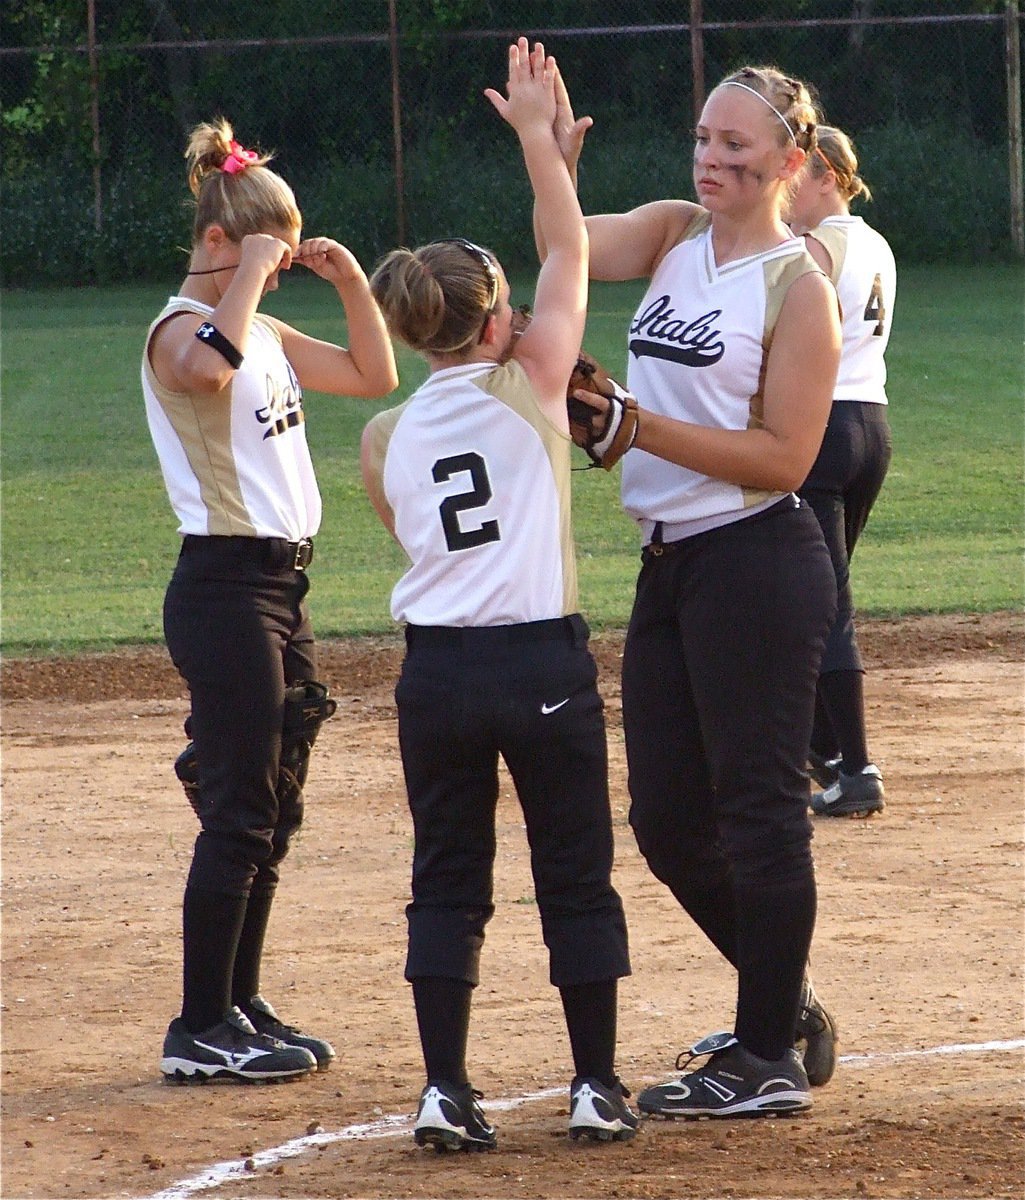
(456, 537)
(875, 309)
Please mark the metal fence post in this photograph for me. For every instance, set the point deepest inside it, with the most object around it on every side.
(396, 116)
(94, 115)
(1013, 38)
(697, 58)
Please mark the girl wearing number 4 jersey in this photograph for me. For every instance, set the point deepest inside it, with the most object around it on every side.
(847, 475)
(472, 475)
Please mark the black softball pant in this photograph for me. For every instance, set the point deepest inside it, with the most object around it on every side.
(237, 629)
(719, 671)
(526, 693)
(841, 488)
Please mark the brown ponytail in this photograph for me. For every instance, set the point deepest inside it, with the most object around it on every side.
(836, 153)
(234, 188)
(437, 297)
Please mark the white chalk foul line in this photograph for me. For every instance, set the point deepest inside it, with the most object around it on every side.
(390, 1126)
(858, 1060)
(396, 1124)
(220, 1173)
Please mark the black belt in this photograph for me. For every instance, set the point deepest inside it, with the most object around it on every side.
(572, 628)
(278, 554)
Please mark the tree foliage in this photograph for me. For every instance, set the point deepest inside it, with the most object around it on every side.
(314, 82)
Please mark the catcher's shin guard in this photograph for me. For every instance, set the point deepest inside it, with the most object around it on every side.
(186, 767)
(307, 707)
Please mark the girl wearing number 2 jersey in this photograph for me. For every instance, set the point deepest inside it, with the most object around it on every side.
(471, 475)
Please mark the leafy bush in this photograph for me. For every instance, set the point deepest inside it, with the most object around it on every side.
(939, 196)
(938, 193)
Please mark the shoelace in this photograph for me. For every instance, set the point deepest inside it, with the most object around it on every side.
(684, 1059)
(812, 1020)
(478, 1112)
(710, 1046)
(238, 1020)
(276, 1023)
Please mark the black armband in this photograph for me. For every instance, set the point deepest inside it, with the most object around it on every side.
(216, 340)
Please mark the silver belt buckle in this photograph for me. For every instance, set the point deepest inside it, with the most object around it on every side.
(303, 554)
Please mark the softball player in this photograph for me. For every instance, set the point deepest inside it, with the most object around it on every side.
(472, 476)
(852, 464)
(732, 356)
(223, 391)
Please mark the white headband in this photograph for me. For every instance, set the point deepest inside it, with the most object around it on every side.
(772, 108)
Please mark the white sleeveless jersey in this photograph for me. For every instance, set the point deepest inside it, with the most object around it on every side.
(699, 343)
(236, 463)
(865, 276)
(478, 483)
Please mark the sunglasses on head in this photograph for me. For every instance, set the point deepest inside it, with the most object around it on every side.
(488, 263)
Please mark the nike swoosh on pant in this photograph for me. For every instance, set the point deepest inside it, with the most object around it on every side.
(550, 708)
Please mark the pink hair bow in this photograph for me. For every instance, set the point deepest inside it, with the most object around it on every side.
(238, 159)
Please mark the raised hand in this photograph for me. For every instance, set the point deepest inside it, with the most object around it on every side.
(530, 87)
(569, 132)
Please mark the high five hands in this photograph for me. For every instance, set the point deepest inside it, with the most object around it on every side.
(531, 88)
(534, 79)
(569, 132)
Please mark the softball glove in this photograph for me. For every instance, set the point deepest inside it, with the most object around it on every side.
(604, 433)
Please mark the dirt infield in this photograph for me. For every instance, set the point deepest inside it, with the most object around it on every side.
(918, 950)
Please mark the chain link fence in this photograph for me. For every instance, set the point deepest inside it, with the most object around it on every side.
(376, 114)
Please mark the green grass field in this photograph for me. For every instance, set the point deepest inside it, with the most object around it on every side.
(89, 538)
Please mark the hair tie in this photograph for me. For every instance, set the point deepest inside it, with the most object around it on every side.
(238, 159)
(821, 154)
(768, 104)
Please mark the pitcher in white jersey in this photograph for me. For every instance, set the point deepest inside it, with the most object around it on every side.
(848, 473)
(732, 357)
(472, 476)
(223, 386)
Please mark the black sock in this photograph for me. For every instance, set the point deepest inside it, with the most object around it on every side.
(823, 739)
(443, 1017)
(245, 980)
(713, 909)
(590, 1010)
(773, 946)
(844, 695)
(211, 924)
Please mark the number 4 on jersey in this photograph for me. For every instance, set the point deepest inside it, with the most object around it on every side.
(875, 309)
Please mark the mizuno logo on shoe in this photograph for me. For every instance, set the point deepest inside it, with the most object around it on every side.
(550, 708)
(231, 1058)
